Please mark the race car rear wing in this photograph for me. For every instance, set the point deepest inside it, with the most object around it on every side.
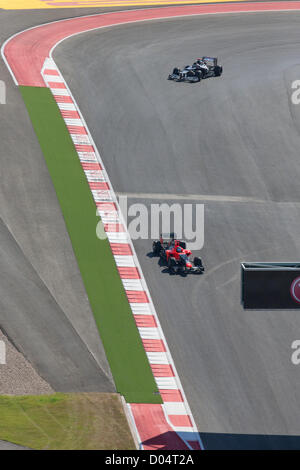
(165, 237)
(211, 60)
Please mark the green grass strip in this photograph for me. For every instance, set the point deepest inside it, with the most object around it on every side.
(85, 421)
(123, 346)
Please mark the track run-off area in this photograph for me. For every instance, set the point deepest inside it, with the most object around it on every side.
(235, 367)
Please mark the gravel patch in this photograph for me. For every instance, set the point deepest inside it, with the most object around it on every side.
(17, 376)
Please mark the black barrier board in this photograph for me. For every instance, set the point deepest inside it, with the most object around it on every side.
(271, 285)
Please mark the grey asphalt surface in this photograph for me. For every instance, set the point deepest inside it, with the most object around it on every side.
(44, 308)
(231, 137)
(4, 445)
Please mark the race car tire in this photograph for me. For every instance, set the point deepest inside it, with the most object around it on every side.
(156, 247)
(198, 77)
(218, 71)
(194, 80)
(198, 261)
(201, 74)
(172, 265)
(162, 255)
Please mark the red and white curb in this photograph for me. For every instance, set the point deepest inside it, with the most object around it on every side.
(175, 406)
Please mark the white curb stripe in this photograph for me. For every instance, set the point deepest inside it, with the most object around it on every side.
(118, 237)
(53, 78)
(166, 383)
(141, 309)
(74, 122)
(80, 139)
(60, 92)
(175, 408)
(126, 261)
(109, 219)
(157, 358)
(66, 106)
(149, 333)
(132, 284)
(95, 175)
(88, 157)
(102, 195)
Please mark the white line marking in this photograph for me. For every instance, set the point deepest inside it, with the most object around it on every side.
(197, 197)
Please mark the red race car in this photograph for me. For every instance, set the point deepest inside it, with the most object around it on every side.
(174, 253)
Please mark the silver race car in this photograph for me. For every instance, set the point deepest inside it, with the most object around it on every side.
(201, 68)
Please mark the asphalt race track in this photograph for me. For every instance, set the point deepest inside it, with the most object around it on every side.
(234, 142)
(4, 445)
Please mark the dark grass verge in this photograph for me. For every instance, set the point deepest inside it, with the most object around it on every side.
(123, 346)
(75, 421)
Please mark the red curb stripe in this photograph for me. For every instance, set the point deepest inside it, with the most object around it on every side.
(114, 228)
(77, 130)
(145, 321)
(95, 185)
(103, 194)
(181, 420)
(154, 345)
(109, 207)
(62, 99)
(67, 114)
(162, 370)
(154, 430)
(51, 72)
(85, 148)
(137, 297)
(56, 85)
(91, 166)
(129, 273)
(171, 395)
(121, 249)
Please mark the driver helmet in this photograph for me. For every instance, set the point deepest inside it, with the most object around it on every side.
(179, 249)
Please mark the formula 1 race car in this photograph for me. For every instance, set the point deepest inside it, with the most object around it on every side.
(187, 74)
(201, 68)
(176, 256)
